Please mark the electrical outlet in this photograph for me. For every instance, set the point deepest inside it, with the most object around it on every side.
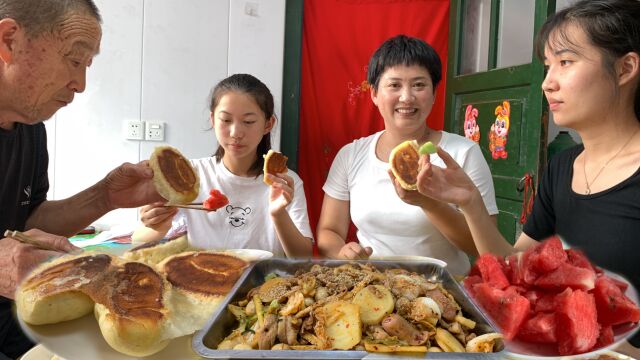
(154, 131)
(134, 130)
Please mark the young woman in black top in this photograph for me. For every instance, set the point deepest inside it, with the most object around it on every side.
(589, 194)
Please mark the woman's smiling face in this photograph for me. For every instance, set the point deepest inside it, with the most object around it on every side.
(404, 96)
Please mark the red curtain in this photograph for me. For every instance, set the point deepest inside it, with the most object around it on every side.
(339, 37)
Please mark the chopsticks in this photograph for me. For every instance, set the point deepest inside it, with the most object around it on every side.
(192, 206)
(26, 239)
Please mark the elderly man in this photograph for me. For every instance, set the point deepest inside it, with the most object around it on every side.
(45, 49)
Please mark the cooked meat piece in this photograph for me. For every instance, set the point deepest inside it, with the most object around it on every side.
(377, 332)
(396, 325)
(267, 333)
(288, 328)
(449, 307)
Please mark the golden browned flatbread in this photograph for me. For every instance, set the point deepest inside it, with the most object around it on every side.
(274, 163)
(403, 161)
(174, 177)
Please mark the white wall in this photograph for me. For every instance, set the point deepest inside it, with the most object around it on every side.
(159, 60)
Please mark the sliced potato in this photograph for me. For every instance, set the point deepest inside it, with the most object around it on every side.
(448, 342)
(343, 325)
(467, 323)
(375, 302)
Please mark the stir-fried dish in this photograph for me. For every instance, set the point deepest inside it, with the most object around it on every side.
(353, 307)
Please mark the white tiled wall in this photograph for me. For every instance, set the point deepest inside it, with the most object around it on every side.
(159, 60)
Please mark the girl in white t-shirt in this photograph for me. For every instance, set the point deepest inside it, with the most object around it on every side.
(258, 216)
(403, 74)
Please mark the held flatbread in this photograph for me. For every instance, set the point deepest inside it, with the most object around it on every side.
(274, 163)
(403, 161)
(174, 177)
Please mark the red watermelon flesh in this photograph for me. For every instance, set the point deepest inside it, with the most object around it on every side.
(605, 338)
(620, 284)
(507, 309)
(576, 322)
(578, 258)
(547, 256)
(491, 271)
(567, 275)
(215, 200)
(528, 271)
(614, 307)
(533, 295)
(469, 282)
(515, 273)
(522, 273)
(546, 302)
(539, 329)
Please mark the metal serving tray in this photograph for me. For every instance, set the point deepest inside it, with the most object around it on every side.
(223, 322)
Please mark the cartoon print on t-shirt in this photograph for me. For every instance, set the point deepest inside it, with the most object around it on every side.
(237, 215)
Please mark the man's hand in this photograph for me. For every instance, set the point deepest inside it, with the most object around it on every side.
(157, 217)
(19, 259)
(129, 185)
(354, 251)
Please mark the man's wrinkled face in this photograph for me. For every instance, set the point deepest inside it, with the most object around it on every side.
(51, 67)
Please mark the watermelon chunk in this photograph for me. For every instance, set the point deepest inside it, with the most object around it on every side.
(491, 271)
(576, 321)
(567, 275)
(507, 309)
(578, 258)
(215, 201)
(605, 338)
(546, 302)
(614, 307)
(522, 273)
(548, 255)
(619, 283)
(539, 329)
(527, 270)
(469, 282)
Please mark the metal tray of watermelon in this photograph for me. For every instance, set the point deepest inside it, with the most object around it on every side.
(222, 322)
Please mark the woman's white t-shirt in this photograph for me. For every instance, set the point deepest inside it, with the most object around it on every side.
(386, 223)
(245, 223)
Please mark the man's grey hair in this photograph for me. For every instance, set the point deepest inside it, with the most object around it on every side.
(40, 16)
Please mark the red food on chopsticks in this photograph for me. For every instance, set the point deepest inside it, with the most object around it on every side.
(215, 201)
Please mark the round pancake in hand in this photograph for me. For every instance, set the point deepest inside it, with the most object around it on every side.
(174, 177)
(403, 161)
(274, 163)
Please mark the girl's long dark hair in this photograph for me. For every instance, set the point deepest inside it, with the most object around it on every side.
(246, 84)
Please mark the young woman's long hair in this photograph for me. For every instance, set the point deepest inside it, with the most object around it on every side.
(250, 85)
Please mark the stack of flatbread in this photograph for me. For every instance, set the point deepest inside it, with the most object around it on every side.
(139, 306)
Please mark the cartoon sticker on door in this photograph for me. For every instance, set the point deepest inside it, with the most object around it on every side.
(471, 128)
(499, 131)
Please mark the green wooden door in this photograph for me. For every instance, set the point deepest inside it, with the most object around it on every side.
(491, 62)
